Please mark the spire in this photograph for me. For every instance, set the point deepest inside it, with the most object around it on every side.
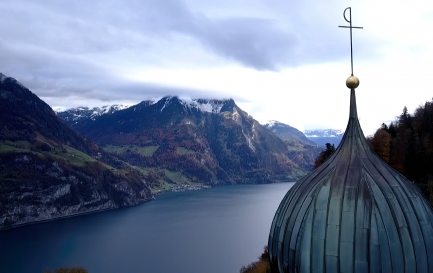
(352, 82)
(353, 114)
(349, 20)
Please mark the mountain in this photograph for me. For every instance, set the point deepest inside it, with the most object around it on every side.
(178, 142)
(288, 133)
(48, 171)
(303, 150)
(323, 136)
(75, 115)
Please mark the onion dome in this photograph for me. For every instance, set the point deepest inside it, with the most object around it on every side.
(352, 214)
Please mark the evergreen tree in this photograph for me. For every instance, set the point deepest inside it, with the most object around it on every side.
(324, 155)
(407, 145)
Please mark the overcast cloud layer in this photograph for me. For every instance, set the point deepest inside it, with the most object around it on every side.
(278, 59)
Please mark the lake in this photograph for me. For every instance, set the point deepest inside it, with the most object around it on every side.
(215, 230)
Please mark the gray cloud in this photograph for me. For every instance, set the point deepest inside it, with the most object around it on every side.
(251, 41)
(63, 48)
(87, 27)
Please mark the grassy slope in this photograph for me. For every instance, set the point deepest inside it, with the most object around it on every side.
(160, 179)
(146, 151)
(64, 152)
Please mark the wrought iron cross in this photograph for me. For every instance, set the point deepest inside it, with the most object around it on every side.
(349, 27)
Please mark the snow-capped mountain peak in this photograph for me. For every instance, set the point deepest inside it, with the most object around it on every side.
(109, 109)
(83, 112)
(204, 105)
(213, 106)
(210, 106)
(323, 133)
(323, 136)
(273, 123)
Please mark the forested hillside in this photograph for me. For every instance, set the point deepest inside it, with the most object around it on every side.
(407, 145)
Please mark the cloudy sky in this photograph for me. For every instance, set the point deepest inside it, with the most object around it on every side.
(284, 60)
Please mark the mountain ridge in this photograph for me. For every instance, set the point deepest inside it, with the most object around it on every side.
(287, 132)
(48, 171)
(214, 140)
(323, 136)
(83, 112)
(300, 147)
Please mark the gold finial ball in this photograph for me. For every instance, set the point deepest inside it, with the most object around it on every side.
(352, 82)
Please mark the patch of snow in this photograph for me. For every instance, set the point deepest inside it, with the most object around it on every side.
(204, 105)
(249, 140)
(99, 111)
(254, 131)
(250, 144)
(85, 112)
(211, 106)
(112, 108)
(323, 133)
(167, 101)
(236, 116)
(59, 109)
(105, 109)
(272, 123)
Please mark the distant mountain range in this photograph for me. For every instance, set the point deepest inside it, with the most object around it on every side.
(323, 136)
(200, 141)
(299, 146)
(90, 159)
(47, 170)
(75, 115)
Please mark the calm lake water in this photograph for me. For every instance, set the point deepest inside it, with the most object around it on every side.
(210, 231)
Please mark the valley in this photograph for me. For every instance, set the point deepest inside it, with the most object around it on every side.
(84, 159)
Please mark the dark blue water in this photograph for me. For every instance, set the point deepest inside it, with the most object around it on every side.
(215, 230)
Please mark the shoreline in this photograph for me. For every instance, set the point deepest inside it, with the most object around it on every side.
(154, 197)
(58, 218)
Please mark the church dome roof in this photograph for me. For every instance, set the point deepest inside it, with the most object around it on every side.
(352, 214)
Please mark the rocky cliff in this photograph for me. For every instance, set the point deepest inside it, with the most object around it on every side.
(48, 171)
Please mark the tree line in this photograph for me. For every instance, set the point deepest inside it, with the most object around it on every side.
(407, 145)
